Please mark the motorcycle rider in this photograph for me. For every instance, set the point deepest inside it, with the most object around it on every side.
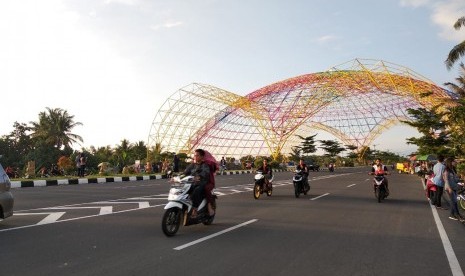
(303, 167)
(380, 169)
(201, 172)
(267, 172)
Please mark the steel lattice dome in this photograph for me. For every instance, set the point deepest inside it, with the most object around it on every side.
(355, 102)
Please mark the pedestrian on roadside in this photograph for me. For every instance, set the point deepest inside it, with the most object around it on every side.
(83, 164)
(78, 164)
(175, 163)
(451, 186)
(438, 181)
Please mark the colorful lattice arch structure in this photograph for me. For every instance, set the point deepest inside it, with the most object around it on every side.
(355, 102)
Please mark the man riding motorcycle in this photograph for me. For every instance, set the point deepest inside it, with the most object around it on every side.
(303, 167)
(201, 172)
(379, 169)
(267, 171)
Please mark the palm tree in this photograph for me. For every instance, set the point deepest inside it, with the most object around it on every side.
(54, 128)
(458, 88)
(455, 116)
(459, 49)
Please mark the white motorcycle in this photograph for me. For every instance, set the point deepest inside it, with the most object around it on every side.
(179, 207)
(260, 186)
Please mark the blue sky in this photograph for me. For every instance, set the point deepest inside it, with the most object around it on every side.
(112, 63)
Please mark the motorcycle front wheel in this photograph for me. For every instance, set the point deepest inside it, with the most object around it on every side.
(296, 190)
(171, 221)
(256, 191)
(461, 203)
(379, 194)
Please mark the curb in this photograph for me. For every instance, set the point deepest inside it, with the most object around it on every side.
(98, 180)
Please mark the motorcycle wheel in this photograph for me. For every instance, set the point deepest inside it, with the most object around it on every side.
(306, 190)
(270, 190)
(379, 194)
(171, 221)
(296, 190)
(210, 219)
(256, 191)
(461, 203)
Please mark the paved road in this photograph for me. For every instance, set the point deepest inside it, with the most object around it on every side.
(338, 229)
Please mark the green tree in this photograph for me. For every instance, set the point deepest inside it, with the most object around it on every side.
(332, 147)
(54, 128)
(308, 144)
(455, 116)
(459, 49)
(430, 124)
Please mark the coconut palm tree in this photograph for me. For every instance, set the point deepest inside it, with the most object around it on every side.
(459, 49)
(54, 128)
(459, 87)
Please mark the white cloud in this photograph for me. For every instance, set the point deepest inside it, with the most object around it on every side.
(123, 2)
(326, 38)
(445, 14)
(49, 60)
(414, 3)
(166, 25)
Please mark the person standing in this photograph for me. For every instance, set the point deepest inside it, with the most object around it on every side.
(175, 163)
(438, 181)
(451, 186)
(83, 162)
(222, 165)
(78, 164)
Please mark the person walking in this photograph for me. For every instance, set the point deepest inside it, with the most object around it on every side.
(438, 181)
(78, 164)
(451, 186)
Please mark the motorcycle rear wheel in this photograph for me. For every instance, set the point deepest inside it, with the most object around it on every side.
(171, 221)
(210, 219)
(270, 190)
(256, 191)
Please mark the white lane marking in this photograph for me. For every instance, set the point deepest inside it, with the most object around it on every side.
(453, 262)
(70, 219)
(103, 210)
(142, 204)
(214, 235)
(51, 218)
(351, 185)
(315, 198)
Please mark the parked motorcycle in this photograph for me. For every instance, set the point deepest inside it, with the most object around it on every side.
(461, 195)
(300, 187)
(380, 187)
(179, 207)
(430, 188)
(260, 186)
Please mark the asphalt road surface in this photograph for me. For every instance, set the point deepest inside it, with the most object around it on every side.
(337, 229)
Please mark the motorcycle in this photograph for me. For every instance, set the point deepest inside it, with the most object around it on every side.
(260, 186)
(380, 187)
(461, 195)
(430, 188)
(179, 207)
(299, 186)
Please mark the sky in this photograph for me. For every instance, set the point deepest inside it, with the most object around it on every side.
(113, 63)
